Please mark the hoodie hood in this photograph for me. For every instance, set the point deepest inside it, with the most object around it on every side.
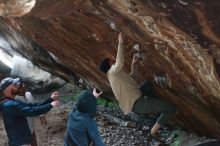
(86, 103)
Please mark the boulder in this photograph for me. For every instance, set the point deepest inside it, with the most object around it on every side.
(179, 38)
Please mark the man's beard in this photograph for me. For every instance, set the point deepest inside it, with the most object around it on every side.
(14, 92)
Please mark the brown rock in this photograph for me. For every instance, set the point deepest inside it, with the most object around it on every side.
(69, 39)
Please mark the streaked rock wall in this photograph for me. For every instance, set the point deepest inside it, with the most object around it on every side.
(179, 38)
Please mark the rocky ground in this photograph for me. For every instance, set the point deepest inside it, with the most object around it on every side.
(115, 128)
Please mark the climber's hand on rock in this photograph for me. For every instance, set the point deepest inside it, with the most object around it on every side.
(136, 58)
(120, 38)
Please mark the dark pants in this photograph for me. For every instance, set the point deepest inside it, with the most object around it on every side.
(147, 89)
(150, 103)
(33, 139)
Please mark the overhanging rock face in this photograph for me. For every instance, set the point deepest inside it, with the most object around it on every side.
(178, 38)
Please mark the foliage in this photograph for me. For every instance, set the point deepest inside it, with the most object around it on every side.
(111, 104)
(177, 138)
(69, 97)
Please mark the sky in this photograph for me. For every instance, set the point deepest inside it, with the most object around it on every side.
(6, 59)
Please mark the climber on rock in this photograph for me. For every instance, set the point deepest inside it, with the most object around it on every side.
(130, 97)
